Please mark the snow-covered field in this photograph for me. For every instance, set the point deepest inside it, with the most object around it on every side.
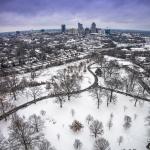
(44, 76)
(124, 62)
(58, 120)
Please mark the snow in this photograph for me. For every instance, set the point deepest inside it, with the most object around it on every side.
(88, 80)
(70, 41)
(135, 137)
(124, 49)
(57, 120)
(138, 49)
(141, 58)
(46, 73)
(44, 76)
(147, 46)
(122, 44)
(124, 62)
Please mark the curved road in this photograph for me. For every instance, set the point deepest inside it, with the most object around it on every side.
(74, 92)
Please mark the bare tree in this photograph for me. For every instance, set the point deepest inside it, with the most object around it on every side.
(89, 118)
(57, 90)
(104, 72)
(135, 116)
(66, 82)
(132, 79)
(33, 74)
(48, 85)
(138, 92)
(4, 145)
(43, 112)
(110, 124)
(112, 68)
(58, 136)
(111, 116)
(35, 92)
(70, 82)
(147, 119)
(108, 96)
(23, 84)
(101, 144)
(72, 112)
(114, 83)
(4, 106)
(77, 144)
(36, 122)
(127, 122)
(99, 59)
(60, 100)
(126, 85)
(12, 85)
(97, 93)
(120, 140)
(45, 145)
(22, 135)
(96, 128)
(3, 86)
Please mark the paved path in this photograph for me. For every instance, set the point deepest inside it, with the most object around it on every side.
(50, 96)
(95, 83)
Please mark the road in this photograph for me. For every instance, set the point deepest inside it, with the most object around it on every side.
(95, 83)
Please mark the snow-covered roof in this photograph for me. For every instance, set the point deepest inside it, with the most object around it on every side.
(138, 49)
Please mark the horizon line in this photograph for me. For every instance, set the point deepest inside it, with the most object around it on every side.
(122, 29)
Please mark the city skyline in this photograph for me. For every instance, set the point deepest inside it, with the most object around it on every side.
(37, 14)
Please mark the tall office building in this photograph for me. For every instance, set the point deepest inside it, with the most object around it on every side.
(63, 28)
(93, 28)
(87, 31)
(80, 28)
(107, 31)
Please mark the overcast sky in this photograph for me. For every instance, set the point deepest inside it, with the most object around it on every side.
(37, 14)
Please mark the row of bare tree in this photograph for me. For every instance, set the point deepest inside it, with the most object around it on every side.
(25, 134)
(113, 80)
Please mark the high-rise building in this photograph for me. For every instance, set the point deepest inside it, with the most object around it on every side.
(93, 28)
(80, 28)
(87, 31)
(107, 31)
(63, 28)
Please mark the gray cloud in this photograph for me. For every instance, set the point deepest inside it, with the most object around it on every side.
(51, 13)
